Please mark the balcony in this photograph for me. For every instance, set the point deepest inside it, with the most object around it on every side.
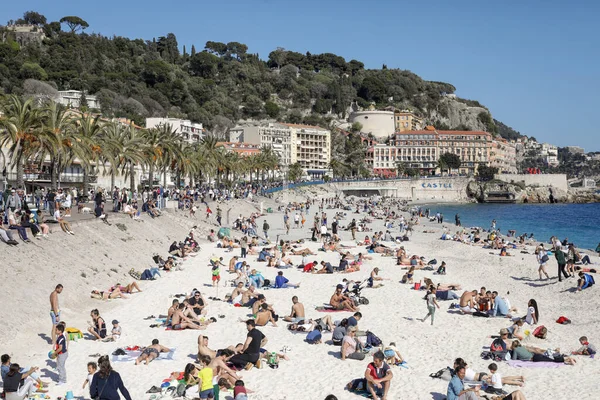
(45, 177)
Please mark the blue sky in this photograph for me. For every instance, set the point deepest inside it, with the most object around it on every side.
(533, 63)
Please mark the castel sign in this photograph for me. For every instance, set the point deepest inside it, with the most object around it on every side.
(427, 185)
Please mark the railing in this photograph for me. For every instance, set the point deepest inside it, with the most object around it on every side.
(42, 177)
(321, 182)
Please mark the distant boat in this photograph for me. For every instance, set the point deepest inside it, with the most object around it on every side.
(499, 197)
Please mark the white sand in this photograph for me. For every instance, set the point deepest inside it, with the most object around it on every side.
(314, 370)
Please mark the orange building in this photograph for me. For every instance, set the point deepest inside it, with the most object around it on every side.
(243, 149)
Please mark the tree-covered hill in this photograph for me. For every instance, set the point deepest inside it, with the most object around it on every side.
(216, 85)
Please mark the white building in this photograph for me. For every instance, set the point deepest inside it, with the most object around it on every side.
(550, 154)
(380, 124)
(72, 99)
(310, 146)
(191, 132)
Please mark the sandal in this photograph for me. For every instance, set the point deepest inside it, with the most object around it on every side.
(95, 355)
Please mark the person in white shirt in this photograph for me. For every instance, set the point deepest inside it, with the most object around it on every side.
(64, 224)
(495, 380)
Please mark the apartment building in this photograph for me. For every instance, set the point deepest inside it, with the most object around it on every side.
(191, 132)
(406, 120)
(503, 155)
(72, 99)
(243, 149)
(308, 145)
(422, 150)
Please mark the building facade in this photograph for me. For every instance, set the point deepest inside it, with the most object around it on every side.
(407, 121)
(243, 149)
(310, 146)
(422, 149)
(191, 132)
(72, 99)
(503, 155)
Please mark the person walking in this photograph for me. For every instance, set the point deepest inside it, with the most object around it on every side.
(106, 383)
(542, 258)
(265, 228)
(562, 262)
(431, 304)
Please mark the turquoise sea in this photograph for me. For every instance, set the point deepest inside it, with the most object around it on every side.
(579, 222)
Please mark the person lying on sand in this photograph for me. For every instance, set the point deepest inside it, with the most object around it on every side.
(151, 352)
(128, 288)
(109, 294)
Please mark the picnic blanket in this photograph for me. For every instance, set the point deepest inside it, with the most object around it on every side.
(531, 364)
(133, 355)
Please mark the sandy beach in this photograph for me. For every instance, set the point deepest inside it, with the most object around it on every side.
(313, 371)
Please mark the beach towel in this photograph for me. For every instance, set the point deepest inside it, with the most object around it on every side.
(131, 356)
(531, 364)
(328, 308)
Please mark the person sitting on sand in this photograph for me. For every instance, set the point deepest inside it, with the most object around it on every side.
(585, 281)
(151, 352)
(351, 347)
(341, 302)
(408, 277)
(468, 302)
(514, 331)
(495, 380)
(179, 321)
(250, 352)
(281, 282)
(376, 381)
(34, 376)
(374, 276)
(392, 355)
(220, 368)
(98, 327)
(297, 313)
(264, 315)
(586, 348)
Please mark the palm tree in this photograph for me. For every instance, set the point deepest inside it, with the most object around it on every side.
(154, 149)
(111, 148)
(57, 128)
(211, 155)
(22, 124)
(131, 153)
(87, 133)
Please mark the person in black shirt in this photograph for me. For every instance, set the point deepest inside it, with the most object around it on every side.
(251, 350)
(19, 385)
(106, 383)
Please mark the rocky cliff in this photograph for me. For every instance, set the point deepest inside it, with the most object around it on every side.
(455, 113)
(521, 193)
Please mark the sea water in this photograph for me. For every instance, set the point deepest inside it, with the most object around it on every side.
(580, 223)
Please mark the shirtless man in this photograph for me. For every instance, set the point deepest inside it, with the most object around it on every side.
(249, 295)
(259, 302)
(297, 314)
(264, 316)
(172, 310)
(341, 302)
(55, 310)
(220, 368)
(203, 349)
(232, 263)
(468, 302)
(179, 321)
(238, 292)
(151, 352)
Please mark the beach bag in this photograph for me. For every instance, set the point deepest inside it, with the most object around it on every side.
(540, 332)
(267, 283)
(498, 345)
(563, 320)
(373, 340)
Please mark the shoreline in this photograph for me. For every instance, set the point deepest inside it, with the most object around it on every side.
(391, 315)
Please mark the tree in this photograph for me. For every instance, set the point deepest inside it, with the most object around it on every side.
(21, 124)
(34, 18)
(204, 64)
(83, 103)
(449, 161)
(272, 109)
(74, 23)
(216, 48)
(486, 172)
(356, 127)
(40, 90)
(295, 172)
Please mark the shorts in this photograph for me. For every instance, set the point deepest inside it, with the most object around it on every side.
(100, 332)
(467, 309)
(295, 320)
(241, 396)
(207, 394)
(54, 317)
(216, 278)
(340, 306)
(177, 327)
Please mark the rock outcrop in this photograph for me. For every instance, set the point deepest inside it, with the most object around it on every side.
(454, 113)
(521, 193)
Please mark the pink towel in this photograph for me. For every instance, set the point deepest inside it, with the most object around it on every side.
(531, 364)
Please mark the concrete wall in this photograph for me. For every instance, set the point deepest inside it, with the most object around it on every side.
(430, 189)
(379, 123)
(558, 181)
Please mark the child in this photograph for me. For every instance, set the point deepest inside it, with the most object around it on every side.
(116, 330)
(495, 380)
(92, 367)
(586, 348)
(239, 391)
(392, 355)
(431, 304)
(205, 378)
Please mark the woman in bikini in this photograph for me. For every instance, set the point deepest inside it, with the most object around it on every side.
(98, 329)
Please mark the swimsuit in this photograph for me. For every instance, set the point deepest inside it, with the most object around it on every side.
(149, 350)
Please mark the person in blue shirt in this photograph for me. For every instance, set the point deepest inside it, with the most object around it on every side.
(281, 282)
(500, 306)
(456, 387)
(256, 279)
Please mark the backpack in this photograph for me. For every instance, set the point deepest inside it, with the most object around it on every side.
(540, 332)
(443, 374)
(373, 340)
(498, 345)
